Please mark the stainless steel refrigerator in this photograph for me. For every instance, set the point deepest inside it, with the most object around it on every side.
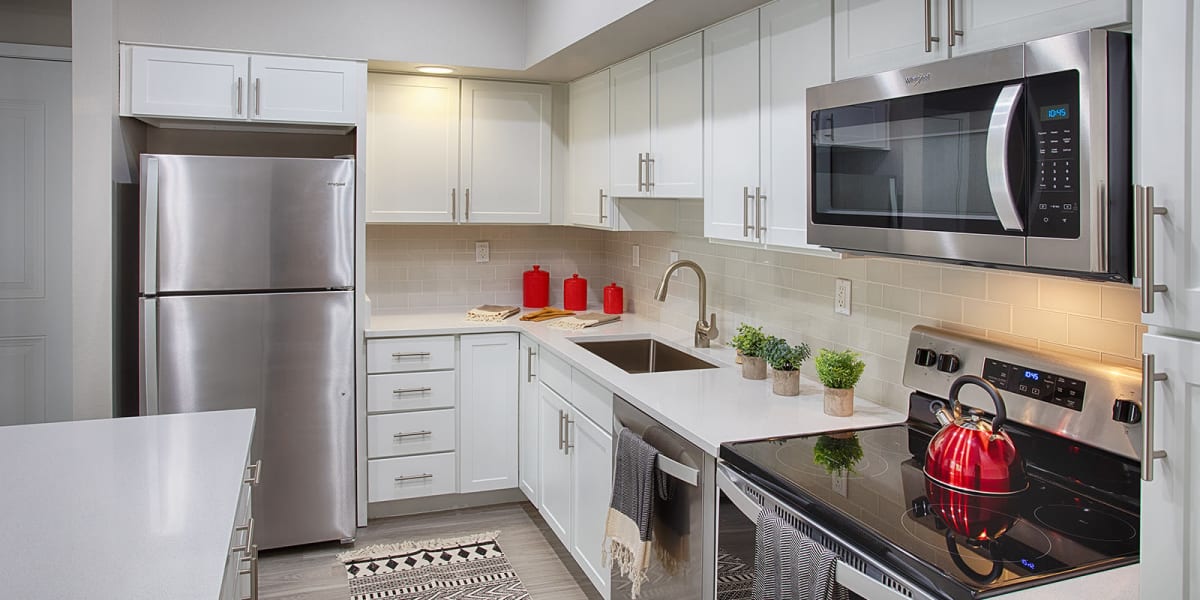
(246, 300)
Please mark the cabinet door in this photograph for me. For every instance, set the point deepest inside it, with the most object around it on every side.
(191, 84)
(870, 36)
(1168, 156)
(987, 24)
(291, 89)
(412, 148)
(795, 49)
(1170, 539)
(554, 468)
(676, 168)
(587, 194)
(505, 152)
(731, 124)
(630, 82)
(590, 449)
(527, 432)
(487, 422)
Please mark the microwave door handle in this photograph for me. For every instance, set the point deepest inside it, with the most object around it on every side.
(997, 157)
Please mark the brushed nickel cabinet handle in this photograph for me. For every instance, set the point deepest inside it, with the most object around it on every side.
(641, 184)
(252, 558)
(603, 197)
(745, 211)
(952, 31)
(1143, 198)
(561, 417)
(403, 478)
(467, 205)
(529, 365)
(255, 470)
(649, 172)
(400, 436)
(416, 390)
(239, 95)
(1149, 454)
(760, 211)
(929, 37)
(453, 204)
(257, 96)
(249, 543)
(400, 355)
(567, 445)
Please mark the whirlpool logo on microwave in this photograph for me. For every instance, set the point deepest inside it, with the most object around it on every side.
(917, 78)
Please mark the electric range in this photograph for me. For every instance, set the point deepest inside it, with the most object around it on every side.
(864, 494)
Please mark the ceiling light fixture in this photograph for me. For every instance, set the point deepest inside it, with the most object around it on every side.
(436, 70)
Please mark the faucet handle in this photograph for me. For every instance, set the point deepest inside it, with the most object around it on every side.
(713, 332)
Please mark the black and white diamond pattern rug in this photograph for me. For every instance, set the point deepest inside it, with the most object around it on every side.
(464, 568)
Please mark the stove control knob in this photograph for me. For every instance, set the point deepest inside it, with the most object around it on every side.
(926, 357)
(948, 363)
(1127, 411)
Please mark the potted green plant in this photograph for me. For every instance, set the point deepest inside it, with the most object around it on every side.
(839, 372)
(785, 361)
(749, 341)
(838, 453)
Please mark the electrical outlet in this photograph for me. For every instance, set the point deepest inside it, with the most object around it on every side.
(637, 255)
(841, 297)
(483, 252)
(671, 258)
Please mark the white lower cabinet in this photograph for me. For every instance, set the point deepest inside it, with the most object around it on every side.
(240, 580)
(412, 477)
(554, 470)
(404, 434)
(487, 412)
(527, 418)
(590, 449)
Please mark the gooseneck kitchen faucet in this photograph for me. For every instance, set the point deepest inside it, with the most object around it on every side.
(706, 330)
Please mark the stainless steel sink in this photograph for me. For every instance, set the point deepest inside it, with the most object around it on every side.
(644, 355)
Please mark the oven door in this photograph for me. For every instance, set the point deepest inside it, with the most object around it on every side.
(738, 506)
(928, 162)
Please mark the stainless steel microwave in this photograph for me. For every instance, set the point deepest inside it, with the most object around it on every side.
(1016, 158)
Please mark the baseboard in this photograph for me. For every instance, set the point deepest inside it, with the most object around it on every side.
(416, 506)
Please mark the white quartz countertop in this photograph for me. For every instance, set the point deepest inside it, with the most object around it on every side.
(133, 508)
(707, 407)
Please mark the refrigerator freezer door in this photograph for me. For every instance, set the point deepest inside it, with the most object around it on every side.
(291, 356)
(211, 223)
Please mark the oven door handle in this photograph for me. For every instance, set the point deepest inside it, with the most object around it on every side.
(999, 130)
(744, 503)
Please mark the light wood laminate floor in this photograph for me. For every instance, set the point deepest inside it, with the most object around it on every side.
(313, 573)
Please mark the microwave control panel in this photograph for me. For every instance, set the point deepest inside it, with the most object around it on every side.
(1053, 104)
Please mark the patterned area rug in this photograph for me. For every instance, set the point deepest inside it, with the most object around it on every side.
(735, 579)
(465, 568)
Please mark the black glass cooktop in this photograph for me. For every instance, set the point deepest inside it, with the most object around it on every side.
(868, 486)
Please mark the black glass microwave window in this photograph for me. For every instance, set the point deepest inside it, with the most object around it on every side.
(918, 162)
(1054, 160)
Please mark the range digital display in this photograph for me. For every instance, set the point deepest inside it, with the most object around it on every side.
(1055, 112)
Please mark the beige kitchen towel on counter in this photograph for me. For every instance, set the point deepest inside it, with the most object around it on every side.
(491, 313)
(583, 320)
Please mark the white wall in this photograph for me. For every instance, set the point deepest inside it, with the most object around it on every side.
(551, 25)
(477, 33)
(39, 22)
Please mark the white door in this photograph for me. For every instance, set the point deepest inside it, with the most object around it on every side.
(290, 89)
(590, 447)
(195, 84)
(731, 124)
(795, 48)
(412, 148)
(630, 126)
(505, 152)
(1170, 533)
(35, 241)
(587, 194)
(676, 165)
(487, 416)
(528, 440)
(870, 36)
(987, 24)
(554, 468)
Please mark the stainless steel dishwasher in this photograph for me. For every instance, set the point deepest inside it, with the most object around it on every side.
(691, 512)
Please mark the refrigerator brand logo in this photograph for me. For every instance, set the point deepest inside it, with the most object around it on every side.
(917, 79)
(337, 183)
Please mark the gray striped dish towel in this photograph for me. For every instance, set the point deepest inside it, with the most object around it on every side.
(627, 531)
(788, 565)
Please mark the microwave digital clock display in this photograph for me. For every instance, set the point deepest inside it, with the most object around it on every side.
(1055, 112)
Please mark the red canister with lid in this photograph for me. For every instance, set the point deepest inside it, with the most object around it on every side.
(575, 293)
(614, 299)
(537, 288)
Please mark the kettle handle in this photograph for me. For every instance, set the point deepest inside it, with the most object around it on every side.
(1001, 412)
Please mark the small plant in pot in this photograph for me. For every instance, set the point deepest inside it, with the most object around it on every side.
(750, 341)
(839, 372)
(785, 361)
(838, 453)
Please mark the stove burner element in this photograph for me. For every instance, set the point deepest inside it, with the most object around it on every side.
(1086, 523)
(801, 459)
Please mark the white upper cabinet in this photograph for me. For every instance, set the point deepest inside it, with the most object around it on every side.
(304, 90)
(504, 161)
(193, 84)
(987, 24)
(880, 35)
(657, 132)
(488, 411)
(731, 128)
(412, 148)
(588, 201)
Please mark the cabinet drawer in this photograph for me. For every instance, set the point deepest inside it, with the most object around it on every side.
(592, 399)
(411, 477)
(402, 434)
(410, 391)
(554, 372)
(398, 355)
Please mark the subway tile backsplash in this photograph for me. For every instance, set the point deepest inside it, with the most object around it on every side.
(414, 267)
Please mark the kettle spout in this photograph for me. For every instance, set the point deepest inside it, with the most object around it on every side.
(943, 416)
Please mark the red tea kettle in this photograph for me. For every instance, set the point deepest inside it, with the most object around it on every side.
(971, 454)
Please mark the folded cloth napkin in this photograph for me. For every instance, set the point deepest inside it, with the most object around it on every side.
(545, 314)
(788, 565)
(491, 312)
(627, 531)
(583, 320)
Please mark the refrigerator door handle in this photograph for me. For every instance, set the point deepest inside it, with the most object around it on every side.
(149, 357)
(150, 230)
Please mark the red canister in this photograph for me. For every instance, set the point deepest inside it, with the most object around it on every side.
(537, 288)
(575, 293)
(614, 299)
